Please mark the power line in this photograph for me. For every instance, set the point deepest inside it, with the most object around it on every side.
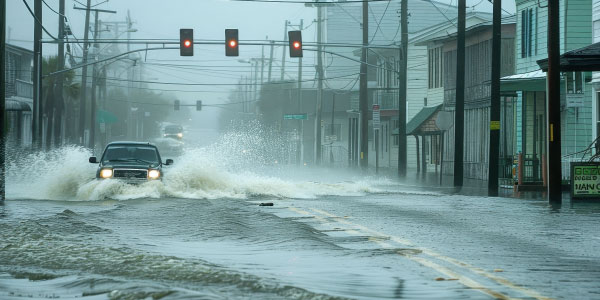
(38, 21)
(380, 20)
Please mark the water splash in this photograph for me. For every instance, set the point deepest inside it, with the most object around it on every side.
(239, 165)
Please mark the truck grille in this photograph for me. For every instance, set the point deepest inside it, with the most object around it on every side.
(130, 173)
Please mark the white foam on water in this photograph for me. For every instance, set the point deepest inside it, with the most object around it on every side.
(240, 165)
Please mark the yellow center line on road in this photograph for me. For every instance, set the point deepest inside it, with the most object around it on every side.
(404, 242)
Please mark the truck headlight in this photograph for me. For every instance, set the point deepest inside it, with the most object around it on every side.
(180, 135)
(106, 173)
(153, 174)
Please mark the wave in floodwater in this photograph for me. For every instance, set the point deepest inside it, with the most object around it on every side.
(238, 165)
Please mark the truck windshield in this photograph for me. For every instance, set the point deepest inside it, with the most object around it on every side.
(173, 129)
(142, 154)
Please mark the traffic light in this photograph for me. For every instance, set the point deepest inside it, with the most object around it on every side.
(231, 42)
(176, 104)
(295, 38)
(186, 42)
(199, 105)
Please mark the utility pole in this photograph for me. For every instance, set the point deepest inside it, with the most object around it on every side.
(402, 85)
(459, 125)
(494, 150)
(92, 144)
(363, 97)
(553, 82)
(262, 64)
(319, 86)
(2, 99)
(37, 69)
(332, 131)
(59, 102)
(84, 71)
(82, 104)
(300, 146)
(129, 80)
(285, 38)
(271, 59)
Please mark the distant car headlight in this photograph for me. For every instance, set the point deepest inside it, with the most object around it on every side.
(106, 173)
(180, 135)
(153, 174)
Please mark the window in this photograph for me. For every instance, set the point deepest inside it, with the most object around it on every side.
(528, 30)
(435, 68)
(574, 81)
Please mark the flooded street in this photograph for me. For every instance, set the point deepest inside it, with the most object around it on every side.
(201, 234)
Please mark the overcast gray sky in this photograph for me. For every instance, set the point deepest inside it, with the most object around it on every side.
(160, 19)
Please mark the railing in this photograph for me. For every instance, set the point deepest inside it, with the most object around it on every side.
(387, 99)
(532, 168)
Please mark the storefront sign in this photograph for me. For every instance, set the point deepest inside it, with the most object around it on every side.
(585, 180)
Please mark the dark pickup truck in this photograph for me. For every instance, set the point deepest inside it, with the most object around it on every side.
(130, 161)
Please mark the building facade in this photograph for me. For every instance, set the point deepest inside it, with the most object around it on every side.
(19, 94)
(442, 53)
(343, 25)
(529, 86)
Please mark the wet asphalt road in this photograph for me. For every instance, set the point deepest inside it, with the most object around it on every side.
(395, 244)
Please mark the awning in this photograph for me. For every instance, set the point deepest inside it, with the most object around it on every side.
(423, 123)
(531, 81)
(18, 104)
(578, 60)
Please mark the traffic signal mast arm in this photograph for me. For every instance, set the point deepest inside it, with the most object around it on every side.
(210, 42)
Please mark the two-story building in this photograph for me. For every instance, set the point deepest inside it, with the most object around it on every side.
(19, 94)
(529, 86)
(441, 44)
(343, 25)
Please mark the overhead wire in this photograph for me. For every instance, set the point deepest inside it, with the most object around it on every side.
(38, 21)
(380, 20)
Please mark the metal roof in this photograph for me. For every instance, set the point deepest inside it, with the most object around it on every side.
(530, 81)
(16, 103)
(413, 127)
(582, 59)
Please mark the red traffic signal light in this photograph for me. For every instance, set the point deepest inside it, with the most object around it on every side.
(295, 38)
(231, 42)
(186, 42)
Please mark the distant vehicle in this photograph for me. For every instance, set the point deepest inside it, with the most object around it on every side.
(173, 131)
(169, 146)
(130, 161)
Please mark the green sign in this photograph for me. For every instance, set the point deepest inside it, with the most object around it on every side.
(296, 117)
(585, 180)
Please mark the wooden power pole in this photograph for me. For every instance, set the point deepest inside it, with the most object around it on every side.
(553, 87)
(459, 125)
(494, 150)
(363, 94)
(402, 85)
(2, 98)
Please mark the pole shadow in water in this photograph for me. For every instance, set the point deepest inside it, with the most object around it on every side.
(399, 290)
